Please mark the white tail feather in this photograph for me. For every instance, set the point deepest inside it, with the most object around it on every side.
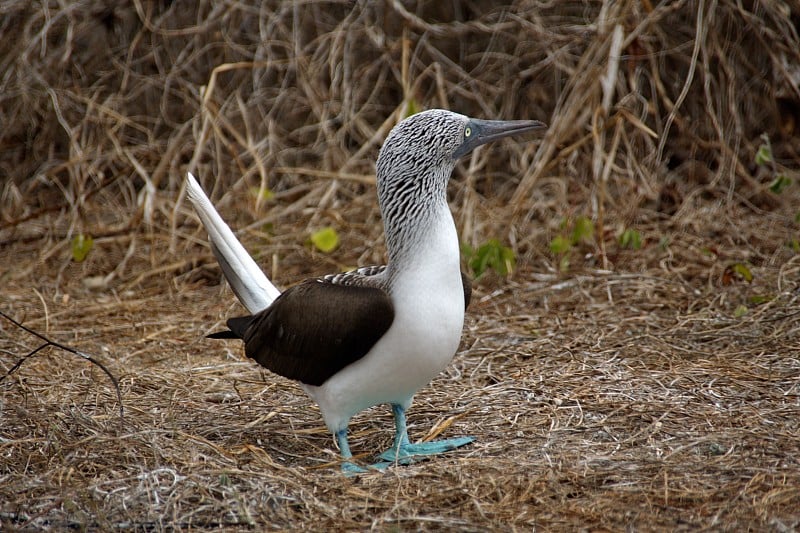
(248, 281)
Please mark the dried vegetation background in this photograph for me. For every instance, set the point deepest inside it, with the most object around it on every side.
(610, 386)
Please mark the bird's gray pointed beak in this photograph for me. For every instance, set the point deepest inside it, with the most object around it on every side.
(484, 131)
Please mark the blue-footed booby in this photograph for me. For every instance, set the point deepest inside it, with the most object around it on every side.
(378, 334)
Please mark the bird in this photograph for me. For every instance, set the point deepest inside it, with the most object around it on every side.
(377, 334)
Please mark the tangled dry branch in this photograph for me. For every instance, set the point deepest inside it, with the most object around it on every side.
(617, 384)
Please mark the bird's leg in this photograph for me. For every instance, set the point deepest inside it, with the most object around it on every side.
(348, 468)
(403, 451)
(400, 436)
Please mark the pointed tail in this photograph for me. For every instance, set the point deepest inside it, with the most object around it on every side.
(249, 283)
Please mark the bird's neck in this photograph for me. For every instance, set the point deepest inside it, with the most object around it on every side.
(423, 241)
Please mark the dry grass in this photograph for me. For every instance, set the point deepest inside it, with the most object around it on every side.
(650, 388)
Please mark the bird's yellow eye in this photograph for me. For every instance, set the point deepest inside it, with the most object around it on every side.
(467, 131)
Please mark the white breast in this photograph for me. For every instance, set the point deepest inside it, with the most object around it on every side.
(428, 297)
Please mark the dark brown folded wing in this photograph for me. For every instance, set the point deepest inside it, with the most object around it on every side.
(315, 329)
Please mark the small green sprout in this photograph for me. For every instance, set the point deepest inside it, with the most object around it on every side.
(764, 158)
(325, 240)
(743, 271)
(764, 154)
(412, 107)
(261, 194)
(492, 254)
(81, 246)
(780, 183)
(572, 234)
(631, 239)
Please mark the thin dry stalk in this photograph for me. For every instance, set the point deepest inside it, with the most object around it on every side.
(641, 388)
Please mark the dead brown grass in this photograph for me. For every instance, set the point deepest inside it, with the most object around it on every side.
(651, 388)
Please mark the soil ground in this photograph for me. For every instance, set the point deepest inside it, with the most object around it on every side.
(639, 369)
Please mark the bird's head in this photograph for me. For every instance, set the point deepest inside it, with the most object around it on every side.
(415, 164)
(426, 146)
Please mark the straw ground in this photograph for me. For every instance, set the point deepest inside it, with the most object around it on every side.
(639, 371)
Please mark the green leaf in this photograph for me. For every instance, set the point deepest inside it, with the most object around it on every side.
(740, 311)
(508, 261)
(261, 194)
(794, 245)
(631, 238)
(797, 218)
(478, 265)
(780, 183)
(763, 155)
(563, 264)
(583, 230)
(492, 255)
(560, 245)
(743, 271)
(759, 299)
(412, 107)
(325, 240)
(81, 246)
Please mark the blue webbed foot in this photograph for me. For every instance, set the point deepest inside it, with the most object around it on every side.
(404, 452)
(407, 452)
(352, 469)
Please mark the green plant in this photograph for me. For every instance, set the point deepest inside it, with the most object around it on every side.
(412, 107)
(737, 272)
(764, 158)
(759, 299)
(261, 194)
(574, 232)
(491, 254)
(631, 238)
(325, 240)
(560, 245)
(81, 246)
(582, 230)
(764, 152)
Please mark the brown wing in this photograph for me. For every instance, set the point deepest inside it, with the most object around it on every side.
(315, 329)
